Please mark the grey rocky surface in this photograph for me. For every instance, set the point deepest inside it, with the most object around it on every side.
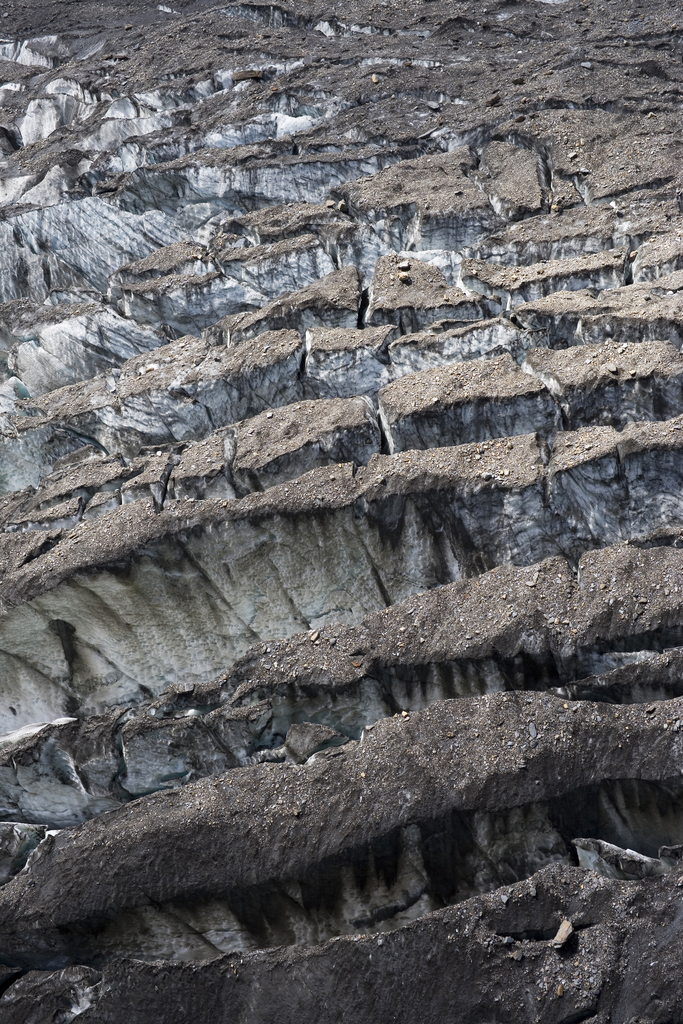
(341, 528)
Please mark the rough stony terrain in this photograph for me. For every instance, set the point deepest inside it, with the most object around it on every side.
(341, 512)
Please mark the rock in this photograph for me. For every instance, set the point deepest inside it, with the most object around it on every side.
(564, 933)
(305, 739)
(613, 862)
(243, 76)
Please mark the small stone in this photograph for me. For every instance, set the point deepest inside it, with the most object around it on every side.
(330, 204)
(433, 106)
(493, 100)
(404, 265)
(244, 76)
(342, 207)
(306, 738)
(404, 278)
(612, 367)
(269, 415)
(533, 732)
(560, 989)
(520, 118)
(504, 898)
(632, 255)
(586, 64)
(375, 79)
(564, 933)
(518, 955)
(314, 635)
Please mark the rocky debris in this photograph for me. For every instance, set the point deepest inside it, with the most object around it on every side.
(339, 519)
(588, 148)
(644, 312)
(176, 394)
(509, 628)
(508, 943)
(598, 639)
(368, 537)
(276, 447)
(331, 302)
(307, 738)
(338, 348)
(464, 402)
(447, 341)
(177, 259)
(564, 933)
(649, 676)
(431, 201)
(613, 862)
(274, 224)
(186, 390)
(92, 887)
(627, 465)
(512, 286)
(243, 279)
(658, 257)
(569, 231)
(412, 294)
(611, 383)
(510, 177)
(344, 362)
(217, 384)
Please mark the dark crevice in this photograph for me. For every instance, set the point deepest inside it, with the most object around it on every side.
(11, 980)
(363, 307)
